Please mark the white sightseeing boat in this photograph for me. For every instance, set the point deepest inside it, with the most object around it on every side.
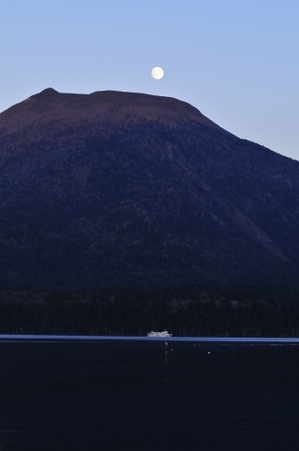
(162, 334)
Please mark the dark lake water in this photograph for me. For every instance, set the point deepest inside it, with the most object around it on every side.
(147, 395)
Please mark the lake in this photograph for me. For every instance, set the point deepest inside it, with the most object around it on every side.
(104, 393)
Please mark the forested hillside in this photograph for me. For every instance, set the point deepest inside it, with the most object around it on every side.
(115, 189)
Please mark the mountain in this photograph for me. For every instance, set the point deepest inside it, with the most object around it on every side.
(118, 189)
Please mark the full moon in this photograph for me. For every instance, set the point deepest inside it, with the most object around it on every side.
(157, 73)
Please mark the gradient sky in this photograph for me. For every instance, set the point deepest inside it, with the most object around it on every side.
(237, 61)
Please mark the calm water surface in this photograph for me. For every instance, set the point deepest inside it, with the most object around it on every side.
(148, 395)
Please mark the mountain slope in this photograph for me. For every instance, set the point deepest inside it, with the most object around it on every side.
(118, 189)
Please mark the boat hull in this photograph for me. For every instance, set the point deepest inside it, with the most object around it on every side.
(162, 334)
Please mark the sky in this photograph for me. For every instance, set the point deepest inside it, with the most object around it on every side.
(237, 61)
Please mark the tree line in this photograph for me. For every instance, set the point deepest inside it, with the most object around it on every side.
(130, 312)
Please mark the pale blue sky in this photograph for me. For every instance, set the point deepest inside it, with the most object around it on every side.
(237, 61)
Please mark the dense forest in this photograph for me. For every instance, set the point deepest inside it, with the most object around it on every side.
(136, 313)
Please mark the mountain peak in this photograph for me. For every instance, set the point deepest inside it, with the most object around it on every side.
(47, 93)
(116, 106)
(125, 189)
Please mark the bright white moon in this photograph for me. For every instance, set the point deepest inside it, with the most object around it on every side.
(157, 73)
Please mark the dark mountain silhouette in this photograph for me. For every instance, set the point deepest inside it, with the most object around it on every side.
(118, 189)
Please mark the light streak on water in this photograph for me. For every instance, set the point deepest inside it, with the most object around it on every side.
(228, 340)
